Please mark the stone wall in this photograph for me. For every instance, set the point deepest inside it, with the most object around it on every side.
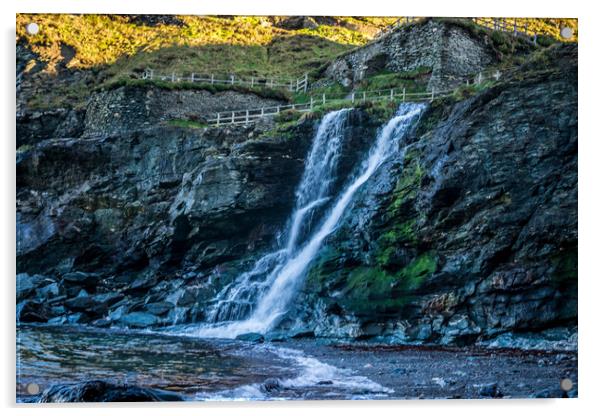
(449, 50)
(131, 108)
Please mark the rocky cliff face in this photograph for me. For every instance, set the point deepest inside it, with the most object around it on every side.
(112, 225)
(469, 232)
(130, 108)
(452, 52)
(472, 230)
(126, 214)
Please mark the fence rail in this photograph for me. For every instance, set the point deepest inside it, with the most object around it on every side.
(509, 25)
(293, 85)
(251, 115)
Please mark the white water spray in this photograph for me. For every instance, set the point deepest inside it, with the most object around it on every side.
(265, 293)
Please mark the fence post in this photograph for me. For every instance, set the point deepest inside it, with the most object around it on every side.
(261, 111)
(403, 95)
(217, 119)
(352, 97)
(305, 83)
(364, 97)
(272, 83)
(252, 81)
(432, 95)
(151, 73)
(293, 107)
(479, 78)
(323, 98)
(247, 117)
(192, 77)
(173, 76)
(232, 117)
(211, 79)
(391, 94)
(311, 103)
(232, 79)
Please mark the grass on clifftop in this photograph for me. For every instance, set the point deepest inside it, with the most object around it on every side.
(248, 41)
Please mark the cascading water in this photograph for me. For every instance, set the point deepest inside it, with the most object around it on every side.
(263, 294)
(236, 300)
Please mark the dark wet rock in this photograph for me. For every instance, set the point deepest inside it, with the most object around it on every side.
(490, 390)
(81, 278)
(49, 291)
(120, 230)
(182, 297)
(26, 284)
(178, 315)
(102, 391)
(82, 302)
(77, 318)
(468, 234)
(139, 320)
(118, 313)
(251, 337)
(277, 336)
(32, 311)
(271, 385)
(158, 308)
(35, 126)
(550, 393)
(108, 299)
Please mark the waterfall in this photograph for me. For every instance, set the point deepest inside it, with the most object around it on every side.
(257, 300)
(235, 301)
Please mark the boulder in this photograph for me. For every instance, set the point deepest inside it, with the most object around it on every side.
(139, 320)
(251, 337)
(158, 308)
(81, 278)
(490, 390)
(271, 385)
(103, 391)
(82, 302)
(26, 284)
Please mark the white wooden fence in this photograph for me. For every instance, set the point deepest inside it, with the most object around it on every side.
(294, 85)
(250, 115)
(503, 24)
(508, 25)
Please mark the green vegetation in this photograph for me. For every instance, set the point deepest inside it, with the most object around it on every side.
(190, 124)
(372, 289)
(213, 88)
(224, 42)
(465, 91)
(412, 81)
(400, 234)
(110, 49)
(408, 182)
